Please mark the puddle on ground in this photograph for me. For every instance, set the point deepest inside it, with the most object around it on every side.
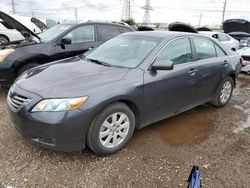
(188, 128)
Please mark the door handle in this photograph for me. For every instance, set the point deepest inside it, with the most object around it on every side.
(192, 71)
(225, 63)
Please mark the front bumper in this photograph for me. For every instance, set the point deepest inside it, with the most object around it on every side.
(62, 131)
(246, 69)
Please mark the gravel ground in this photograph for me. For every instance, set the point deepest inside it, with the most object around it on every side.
(161, 155)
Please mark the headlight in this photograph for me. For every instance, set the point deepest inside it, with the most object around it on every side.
(55, 105)
(5, 53)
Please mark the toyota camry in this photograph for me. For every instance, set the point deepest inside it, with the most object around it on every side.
(98, 99)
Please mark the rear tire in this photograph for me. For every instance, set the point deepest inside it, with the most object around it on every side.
(26, 67)
(224, 93)
(111, 129)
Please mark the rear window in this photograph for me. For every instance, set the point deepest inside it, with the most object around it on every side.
(107, 32)
(223, 37)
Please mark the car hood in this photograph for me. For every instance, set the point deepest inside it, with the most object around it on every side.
(11, 23)
(71, 77)
(42, 26)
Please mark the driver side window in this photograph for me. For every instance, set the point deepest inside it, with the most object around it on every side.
(82, 34)
(178, 51)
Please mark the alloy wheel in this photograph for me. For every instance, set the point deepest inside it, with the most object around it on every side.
(225, 92)
(114, 130)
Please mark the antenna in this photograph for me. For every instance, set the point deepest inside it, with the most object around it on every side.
(147, 8)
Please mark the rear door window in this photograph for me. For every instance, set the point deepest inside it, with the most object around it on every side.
(124, 29)
(178, 51)
(219, 51)
(106, 32)
(204, 47)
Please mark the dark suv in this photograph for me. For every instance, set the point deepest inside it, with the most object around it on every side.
(58, 42)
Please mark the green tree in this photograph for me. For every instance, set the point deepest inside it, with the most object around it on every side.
(129, 21)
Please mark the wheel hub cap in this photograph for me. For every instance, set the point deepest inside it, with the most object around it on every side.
(114, 130)
(226, 92)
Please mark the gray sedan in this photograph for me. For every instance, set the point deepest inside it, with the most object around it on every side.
(98, 99)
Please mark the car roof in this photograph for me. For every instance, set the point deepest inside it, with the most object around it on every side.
(161, 34)
(76, 23)
(210, 33)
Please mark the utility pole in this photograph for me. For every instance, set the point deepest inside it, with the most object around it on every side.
(224, 10)
(76, 13)
(200, 19)
(13, 6)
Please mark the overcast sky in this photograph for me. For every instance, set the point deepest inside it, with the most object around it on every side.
(165, 11)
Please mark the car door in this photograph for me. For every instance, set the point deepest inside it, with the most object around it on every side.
(82, 38)
(211, 66)
(167, 92)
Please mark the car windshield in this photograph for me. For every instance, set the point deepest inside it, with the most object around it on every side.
(124, 51)
(53, 32)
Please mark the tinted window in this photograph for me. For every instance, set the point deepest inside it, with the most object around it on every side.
(219, 51)
(204, 47)
(82, 34)
(223, 37)
(107, 32)
(124, 29)
(178, 51)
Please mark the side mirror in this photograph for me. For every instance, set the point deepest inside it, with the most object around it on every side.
(162, 65)
(65, 41)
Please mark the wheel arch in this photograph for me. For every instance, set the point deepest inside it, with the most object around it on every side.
(31, 58)
(134, 107)
(5, 36)
(233, 76)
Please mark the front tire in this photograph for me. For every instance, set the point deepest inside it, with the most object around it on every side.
(111, 129)
(4, 40)
(224, 93)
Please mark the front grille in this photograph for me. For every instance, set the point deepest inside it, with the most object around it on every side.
(17, 101)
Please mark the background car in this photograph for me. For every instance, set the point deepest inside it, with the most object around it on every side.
(61, 41)
(127, 83)
(245, 54)
(34, 24)
(224, 38)
(245, 42)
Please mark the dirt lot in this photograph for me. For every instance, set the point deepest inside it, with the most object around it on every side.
(161, 155)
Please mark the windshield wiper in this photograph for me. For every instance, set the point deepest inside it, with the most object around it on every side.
(99, 62)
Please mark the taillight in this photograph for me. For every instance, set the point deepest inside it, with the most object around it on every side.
(242, 62)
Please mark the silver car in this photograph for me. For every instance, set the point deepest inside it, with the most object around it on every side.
(224, 38)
